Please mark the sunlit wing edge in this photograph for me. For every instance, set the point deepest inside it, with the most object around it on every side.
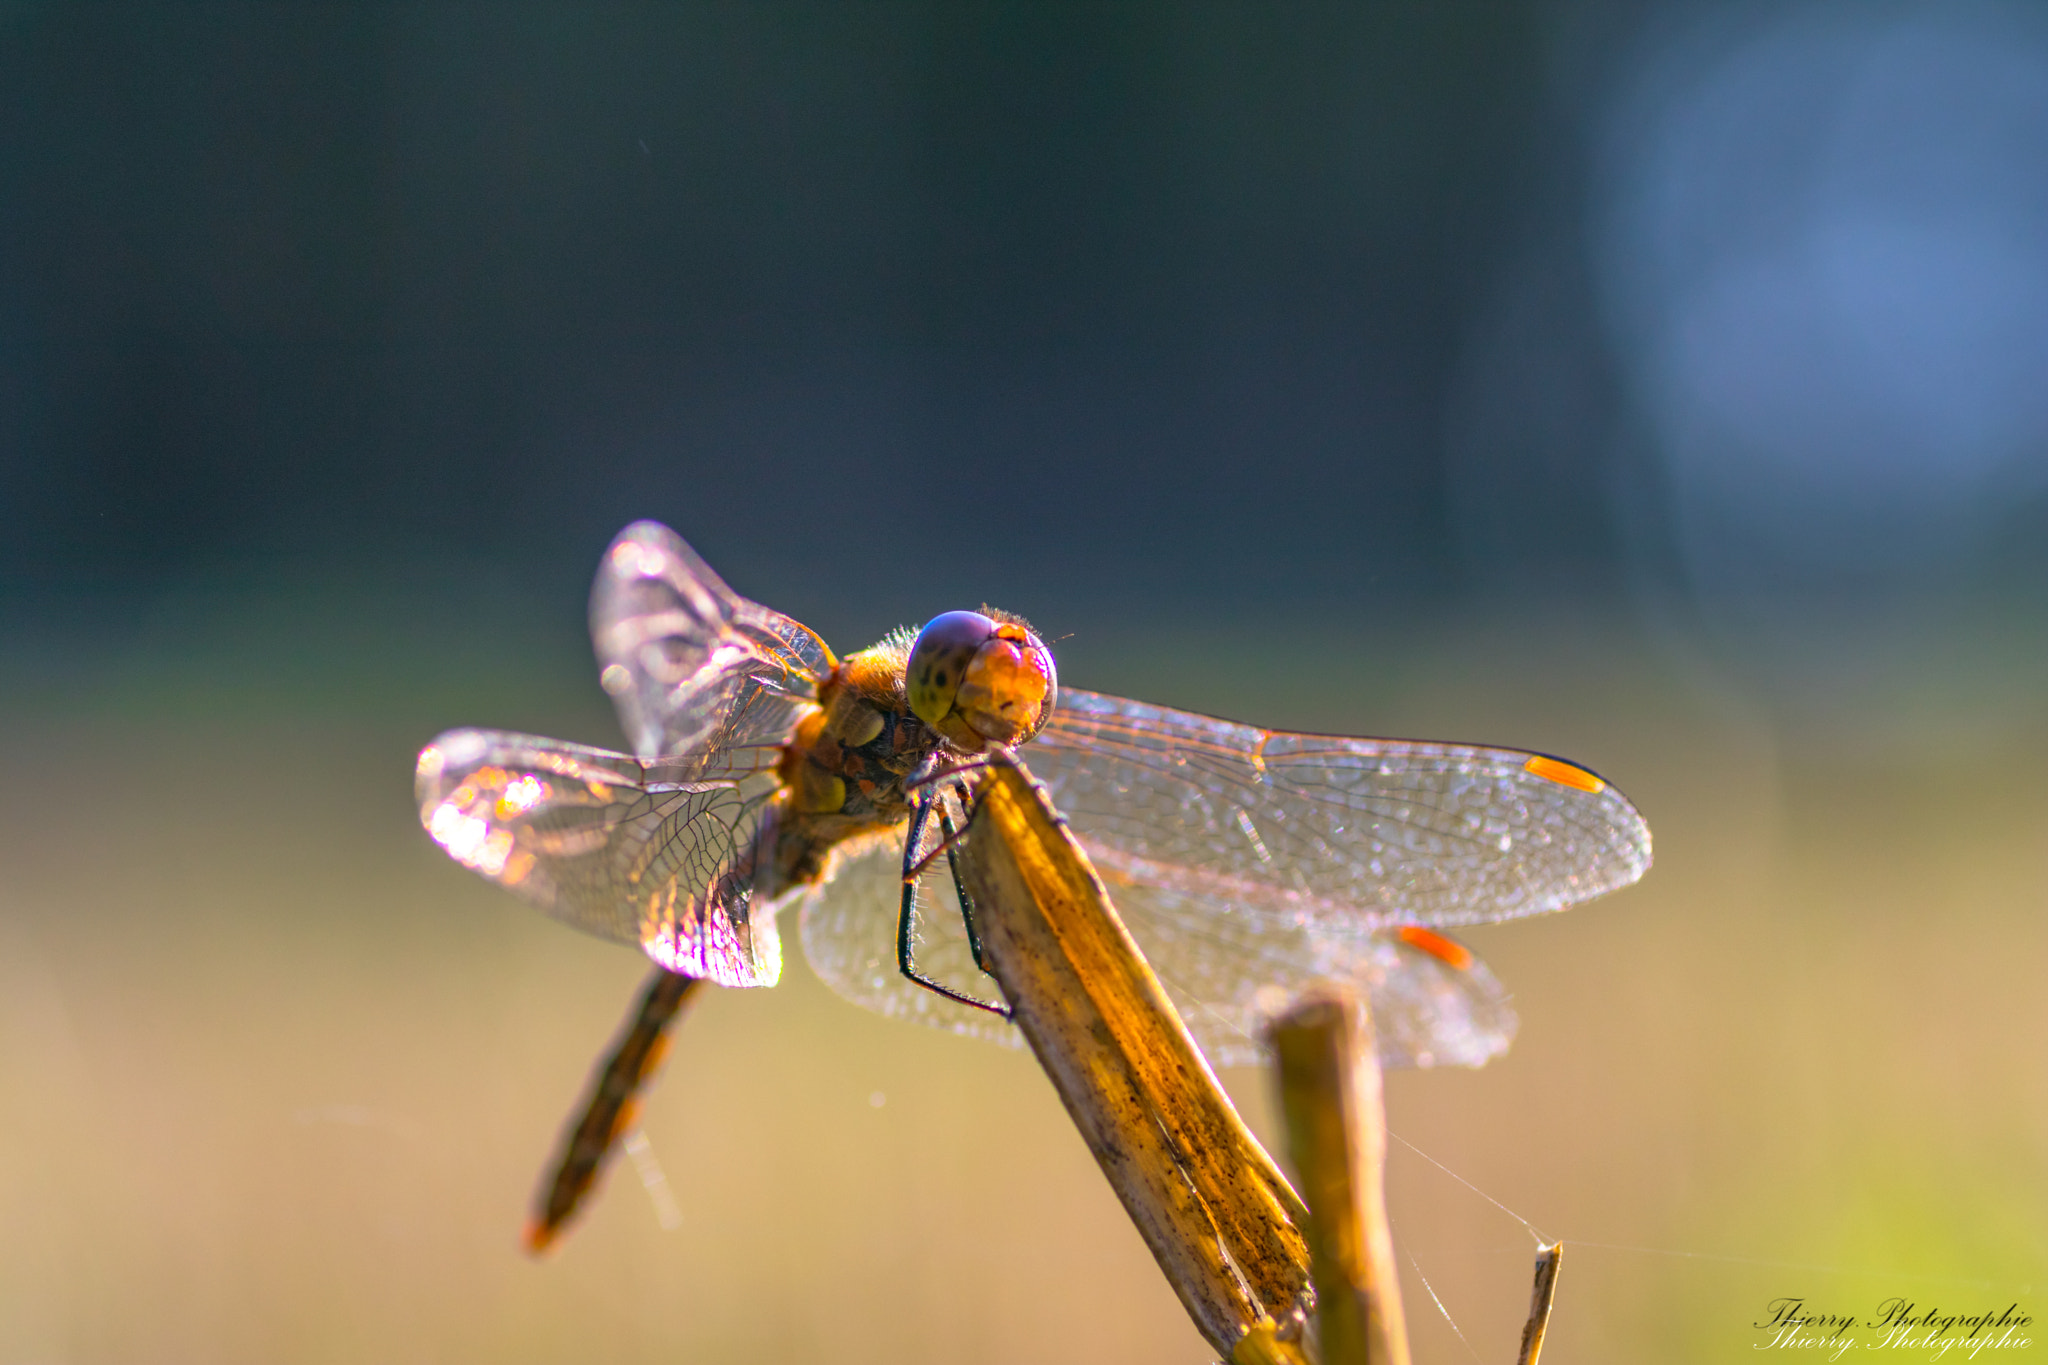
(596, 840)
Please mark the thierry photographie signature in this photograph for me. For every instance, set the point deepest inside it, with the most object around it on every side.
(1899, 1324)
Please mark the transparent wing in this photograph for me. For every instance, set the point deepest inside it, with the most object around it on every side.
(691, 664)
(1228, 974)
(1225, 974)
(656, 854)
(849, 936)
(1347, 834)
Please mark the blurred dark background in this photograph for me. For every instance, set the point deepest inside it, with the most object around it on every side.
(1154, 299)
(1160, 308)
(1159, 299)
(1663, 383)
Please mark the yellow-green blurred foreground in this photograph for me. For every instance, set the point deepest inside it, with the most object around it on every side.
(277, 1079)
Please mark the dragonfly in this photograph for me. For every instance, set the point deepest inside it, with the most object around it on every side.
(769, 776)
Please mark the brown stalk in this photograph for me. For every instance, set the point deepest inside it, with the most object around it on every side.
(1540, 1297)
(1212, 1206)
(1329, 1076)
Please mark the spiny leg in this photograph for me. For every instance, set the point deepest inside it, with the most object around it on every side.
(945, 845)
(929, 780)
(959, 882)
(906, 926)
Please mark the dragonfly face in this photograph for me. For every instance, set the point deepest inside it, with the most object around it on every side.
(767, 774)
(884, 714)
(980, 679)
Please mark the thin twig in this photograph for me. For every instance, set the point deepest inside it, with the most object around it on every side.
(1540, 1298)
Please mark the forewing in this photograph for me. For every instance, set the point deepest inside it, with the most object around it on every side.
(849, 935)
(656, 854)
(1351, 834)
(691, 664)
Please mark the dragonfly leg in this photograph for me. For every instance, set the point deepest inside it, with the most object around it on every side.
(906, 926)
(928, 781)
(960, 883)
(946, 843)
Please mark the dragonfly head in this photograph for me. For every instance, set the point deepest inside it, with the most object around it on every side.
(981, 677)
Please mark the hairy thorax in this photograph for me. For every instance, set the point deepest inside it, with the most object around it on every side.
(844, 768)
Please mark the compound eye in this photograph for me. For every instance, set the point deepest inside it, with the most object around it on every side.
(1010, 687)
(939, 660)
(976, 680)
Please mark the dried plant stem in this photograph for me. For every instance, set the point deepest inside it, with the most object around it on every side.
(1337, 1135)
(1213, 1207)
(1547, 1258)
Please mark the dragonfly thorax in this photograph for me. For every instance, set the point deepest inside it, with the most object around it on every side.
(845, 768)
